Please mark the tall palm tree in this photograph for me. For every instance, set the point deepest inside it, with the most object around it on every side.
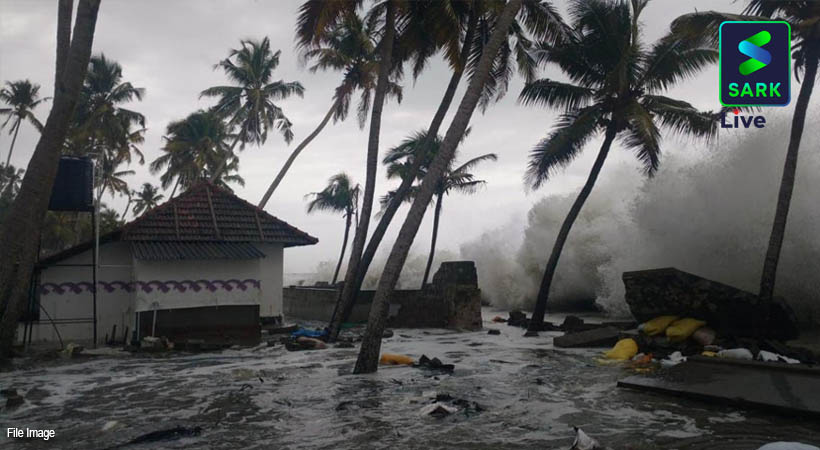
(248, 104)
(340, 196)
(460, 30)
(399, 161)
(146, 199)
(349, 47)
(803, 16)
(10, 180)
(194, 148)
(22, 98)
(24, 221)
(615, 89)
(368, 358)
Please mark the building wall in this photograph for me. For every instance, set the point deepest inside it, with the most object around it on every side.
(65, 294)
(196, 283)
(270, 275)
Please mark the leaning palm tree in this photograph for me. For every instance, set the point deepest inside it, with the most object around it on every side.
(399, 161)
(248, 104)
(368, 358)
(340, 196)
(22, 98)
(194, 148)
(804, 17)
(146, 199)
(349, 47)
(615, 89)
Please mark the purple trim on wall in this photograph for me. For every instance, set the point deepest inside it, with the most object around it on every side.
(150, 286)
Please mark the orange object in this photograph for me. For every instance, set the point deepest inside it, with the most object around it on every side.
(390, 359)
(499, 319)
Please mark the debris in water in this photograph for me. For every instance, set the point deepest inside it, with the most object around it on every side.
(438, 410)
(494, 332)
(736, 353)
(390, 359)
(584, 441)
(434, 364)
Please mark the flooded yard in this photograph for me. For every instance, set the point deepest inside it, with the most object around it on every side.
(528, 393)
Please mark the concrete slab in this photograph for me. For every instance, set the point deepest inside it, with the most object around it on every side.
(599, 337)
(781, 388)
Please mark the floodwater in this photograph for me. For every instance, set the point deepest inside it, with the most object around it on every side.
(530, 394)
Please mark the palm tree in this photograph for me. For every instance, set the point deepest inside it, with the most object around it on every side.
(194, 148)
(21, 96)
(399, 162)
(340, 196)
(111, 180)
(803, 16)
(248, 104)
(349, 47)
(368, 358)
(615, 89)
(146, 199)
(10, 180)
(432, 26)
(24, 221)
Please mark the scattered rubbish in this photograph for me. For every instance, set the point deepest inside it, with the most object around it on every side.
(494, 332)
(736, 353)
(673, 360)
(704, 336)
(518, 319)
(788, 446)
(763, 355)
(388, 333)
(624, 350)
(71, 350)
(438, 410)
(709, 354)
(304, 332)
(599, 337)
(680, 330)
(110, 425)
(391, 359)
(434, 364)
(584, 442)
(657, 325)
(499, 319)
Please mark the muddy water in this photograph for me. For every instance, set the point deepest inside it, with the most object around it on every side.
(530, 394)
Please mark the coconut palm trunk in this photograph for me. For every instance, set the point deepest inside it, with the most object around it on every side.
(385, 63)
(344, 305)
(294, 154)
(64, 11)
(224, 163)
(21, 229)
(13, 139)
(368, 358)
(436, 216)
(344, 246)
(549, 273)
(784, 198)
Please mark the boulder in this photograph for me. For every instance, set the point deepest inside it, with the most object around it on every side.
(599, 337)
(728, 310)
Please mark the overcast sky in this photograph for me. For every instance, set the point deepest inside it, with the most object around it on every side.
(170, 46)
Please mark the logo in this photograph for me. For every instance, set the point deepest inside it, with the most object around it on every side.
(738, 121)
(755, 63)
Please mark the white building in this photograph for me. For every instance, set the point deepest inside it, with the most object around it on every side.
(205, 265)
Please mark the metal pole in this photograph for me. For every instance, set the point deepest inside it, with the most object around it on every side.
(94, 218)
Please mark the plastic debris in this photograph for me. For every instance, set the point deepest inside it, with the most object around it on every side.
(736, 353)
(704, 336)
(775, 357)
(584, 442)
(624, 350)
(304, 332)
(391, 359)
(657, 325)
(673, 360)
(438, 409)
(680, 330)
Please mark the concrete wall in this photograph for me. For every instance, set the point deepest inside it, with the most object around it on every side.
(65, 294)
(270, 276)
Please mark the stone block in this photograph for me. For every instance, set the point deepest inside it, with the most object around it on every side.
(599, 337)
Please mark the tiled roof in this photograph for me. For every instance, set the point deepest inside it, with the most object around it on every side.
(182, 251)
(206, 212)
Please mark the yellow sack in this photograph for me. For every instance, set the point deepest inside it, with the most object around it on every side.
(658, 325)
(709, 354)
(625, 349)
(682, 329)
(390, 359)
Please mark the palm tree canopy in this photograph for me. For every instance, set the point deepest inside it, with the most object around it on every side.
(249, 101)
(340, 195)
(615, 80)
(802, 15)
(22, 97)
(10, 180)
(146, 198)
(193, 148)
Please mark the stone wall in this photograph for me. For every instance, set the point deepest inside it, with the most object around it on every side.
(452, 301)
